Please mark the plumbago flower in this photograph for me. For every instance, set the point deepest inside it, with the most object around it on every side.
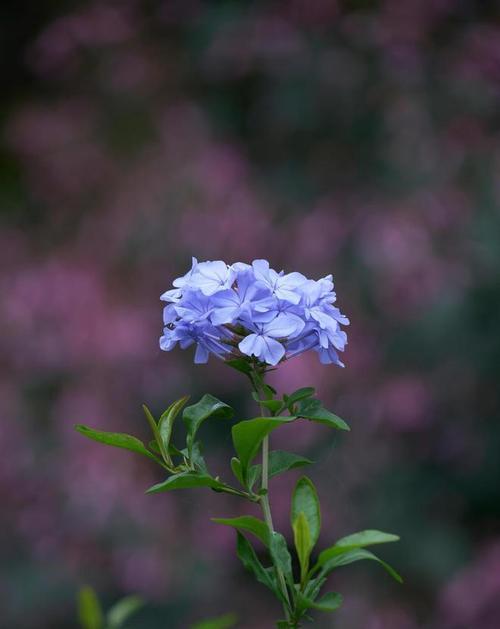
(251, 310)
(254, 318)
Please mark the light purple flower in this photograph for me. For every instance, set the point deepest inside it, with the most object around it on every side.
(281, 285)
(211, 277)
(244, 310)
(194, 307)
(207, 339)
(240, 302)
(262, 342)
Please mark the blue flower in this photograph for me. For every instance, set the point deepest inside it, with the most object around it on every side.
(262, 342)
(281, 285)
(252, 311)
(194, 307)
(207, 339)
(241, 302)
(211, 277)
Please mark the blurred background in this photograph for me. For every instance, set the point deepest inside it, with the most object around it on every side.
(359, 138)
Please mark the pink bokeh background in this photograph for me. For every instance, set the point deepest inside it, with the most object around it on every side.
(361, 140)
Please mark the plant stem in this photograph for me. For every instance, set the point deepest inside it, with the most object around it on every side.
(266, 506)
(266, 509)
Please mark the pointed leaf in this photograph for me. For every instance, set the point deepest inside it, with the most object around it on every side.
(350, 556)
(186, 480)
(281, 556)
(328, 603)
(122, 610)
(117, 440)
(367, 538)
(166, 421)
(197, 458)
(153, 446)
(237, 471)
(89, 609)
(300, 394)
(303, 545)
(172, 450)
(248, 435)
(356, 540)
(249, 559)
(312, 409)
(305, 499)
(269, 391)
(240, 364)
(313, 587)
(281, 461)
(253, 474)
(247, 523)
(273, 405)
(156, 434)
(196, 414)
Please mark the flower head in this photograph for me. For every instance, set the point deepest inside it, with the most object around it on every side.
(252, 311)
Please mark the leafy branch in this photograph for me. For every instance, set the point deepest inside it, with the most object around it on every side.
(187, 468)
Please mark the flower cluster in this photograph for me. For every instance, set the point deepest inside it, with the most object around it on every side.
(251, 310)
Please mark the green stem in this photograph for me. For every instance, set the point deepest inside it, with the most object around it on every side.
(266, 506)
(266, 509)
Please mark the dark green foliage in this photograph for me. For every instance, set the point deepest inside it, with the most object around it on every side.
(117, 440)
(247, 523)
(188, 470)
(313, 410)
(248, 436)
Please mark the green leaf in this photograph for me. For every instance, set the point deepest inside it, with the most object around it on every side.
(280, 555)
(117, 440)
(122, 610)
(273, 405)
(367, 538)
(328, 603)
(313, 587)
(249, 559)
(268, 390)
(247, 523)
(186, 480)
(197, 458)
(156, 434)
(303, 545)
(196, 414)
(305, 499)
(281, 461)
(240, 364)
(237, 471)
(248, 435)
(350, 556)
(300, 394)
(253, 474)
(222, 622)
(153, 446)
(172, 450)
(313, 410)
(89, 609)
(166, 421)
(356, 540)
